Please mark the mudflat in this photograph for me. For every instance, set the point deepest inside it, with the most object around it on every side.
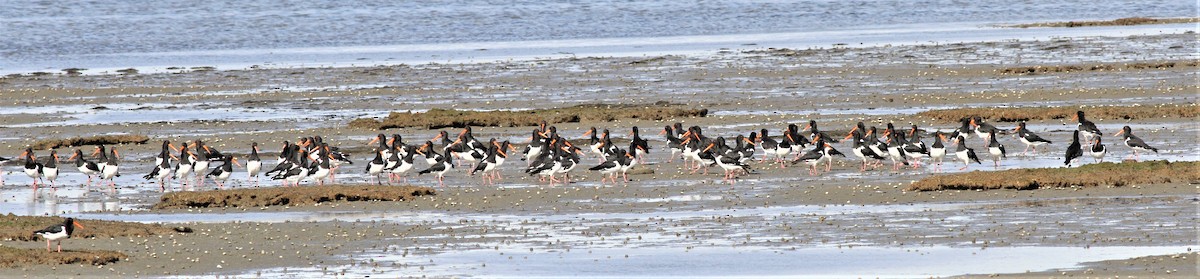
(666, 215)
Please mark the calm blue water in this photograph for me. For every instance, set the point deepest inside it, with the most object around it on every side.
(51, 35)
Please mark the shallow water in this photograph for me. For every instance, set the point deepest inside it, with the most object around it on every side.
(104, 36)
(723, 262)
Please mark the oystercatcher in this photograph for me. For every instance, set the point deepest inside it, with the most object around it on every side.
(1097, 151)
(375, 166)
(1029, 138)
(862, 151)
(445, 164)
(983, 130)
(160, 172)
(964, 153)
(50, 168)
(611, 165)
(253, 164)
(184, 166)
(1073, 151)
(32, 168)
(1135, 143)
(996, 149)
(403, 164)
(642, 145)
(57, 232)
(937, 151)
(1087, 128)
(85, 167)
(673, 144)
(221, 173)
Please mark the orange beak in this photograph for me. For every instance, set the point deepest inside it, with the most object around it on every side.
(806, 127)
(115, 153)
(710, 146)
(235, 162)
(870, 132)
(73, 156)
(851, 134)
(439, 136)
(373, 140)
(973, 122)
(1018, 129)
(172, 146)
(588, 133)
(94, 152)
(1122, 131)
(76, 223)
(747, 141)
(1076, 117)
(664, 132)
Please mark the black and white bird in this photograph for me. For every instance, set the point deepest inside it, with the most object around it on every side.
(642, 145)
(594, 144)
(729, 159)
(964, 153)
(33, 169)
(1135, 143)
(613, 163)
(375, 166)
(486, 165)
(674, 144)
(537, 144)
(814, 133)
(110, 170)
(860, 150)
(84, 166)
(253, 164)
(983, 130)
(813, 158)
(774, 148)
(937, 151)
(1085, 127)
(403, 165)
(1029, 138)
(160, 172)
(895, 148)
(50, 168)
(445, 164)
(221, 173)
(184, 166)
(1097, 150)
(323, 167)
(964, 129)
(996, 149)
(913, 146)
(1074, 151)
(200, 162)
(58, 232)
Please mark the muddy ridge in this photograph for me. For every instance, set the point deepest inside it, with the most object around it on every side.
(1090, 175)
(1115, 22)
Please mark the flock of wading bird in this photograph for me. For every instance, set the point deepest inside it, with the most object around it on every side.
(548, 155)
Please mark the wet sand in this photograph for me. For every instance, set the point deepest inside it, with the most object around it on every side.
(669, 215)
